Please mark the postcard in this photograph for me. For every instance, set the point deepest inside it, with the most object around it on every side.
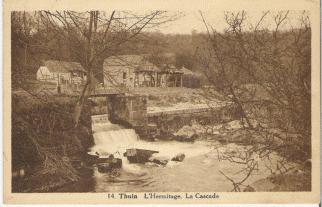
(163, 102)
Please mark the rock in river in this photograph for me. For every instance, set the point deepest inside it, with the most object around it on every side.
(186, 134)
(108, 159)
(179, 157)
(160, 160)
(138, 155)
(104, 167)
(114, 163)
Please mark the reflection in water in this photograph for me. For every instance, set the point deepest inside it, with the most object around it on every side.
(198, 172)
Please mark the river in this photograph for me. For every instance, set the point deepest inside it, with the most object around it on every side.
(199, 171)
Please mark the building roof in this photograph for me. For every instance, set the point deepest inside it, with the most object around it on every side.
(57, 66)
(187, 71)
(170, 68)
(137, 62)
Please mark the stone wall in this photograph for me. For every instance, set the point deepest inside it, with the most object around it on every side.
(99, 105)
(128, 110)
(167, 124)
(131, 111)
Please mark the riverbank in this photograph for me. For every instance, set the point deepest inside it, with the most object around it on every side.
(290, 172)
(47, 150)
(296, 180)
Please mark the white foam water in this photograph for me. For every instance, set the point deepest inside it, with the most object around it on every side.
(113, 139)
(201, 162)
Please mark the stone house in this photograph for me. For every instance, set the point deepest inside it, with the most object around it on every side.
(137, 71)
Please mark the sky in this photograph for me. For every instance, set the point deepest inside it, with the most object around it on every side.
(192, 21)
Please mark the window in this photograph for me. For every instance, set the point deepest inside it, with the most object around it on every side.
(124, 75)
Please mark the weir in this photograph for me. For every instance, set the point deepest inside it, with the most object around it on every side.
(111, 138)
(132, 111)
(115, 139)
(127, 110)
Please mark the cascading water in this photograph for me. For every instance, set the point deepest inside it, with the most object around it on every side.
(113, 139)
(199, 170)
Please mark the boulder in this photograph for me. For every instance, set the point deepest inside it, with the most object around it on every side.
(90, 158)
(186, 138)
(104, 167)
(95, 158)
(186, 133)
(159, 160)
(138, 155)
(179, 157)
(114, 163)
(105, 159)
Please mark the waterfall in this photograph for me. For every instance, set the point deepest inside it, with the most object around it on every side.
(111, 138)
(114, 139)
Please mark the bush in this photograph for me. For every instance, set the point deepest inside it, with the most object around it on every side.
(44, 139)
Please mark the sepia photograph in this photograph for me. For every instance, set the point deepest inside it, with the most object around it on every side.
(140, 103)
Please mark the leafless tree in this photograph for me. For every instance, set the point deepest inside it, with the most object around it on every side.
(85, 37)
(265, 72)
(95, 33)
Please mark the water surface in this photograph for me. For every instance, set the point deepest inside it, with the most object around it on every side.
(200, 170)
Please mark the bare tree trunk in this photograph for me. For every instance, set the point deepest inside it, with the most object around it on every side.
(88, 88)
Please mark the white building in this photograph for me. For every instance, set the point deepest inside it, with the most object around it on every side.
(63, 74)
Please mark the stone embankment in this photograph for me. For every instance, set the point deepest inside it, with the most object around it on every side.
(176, 122)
